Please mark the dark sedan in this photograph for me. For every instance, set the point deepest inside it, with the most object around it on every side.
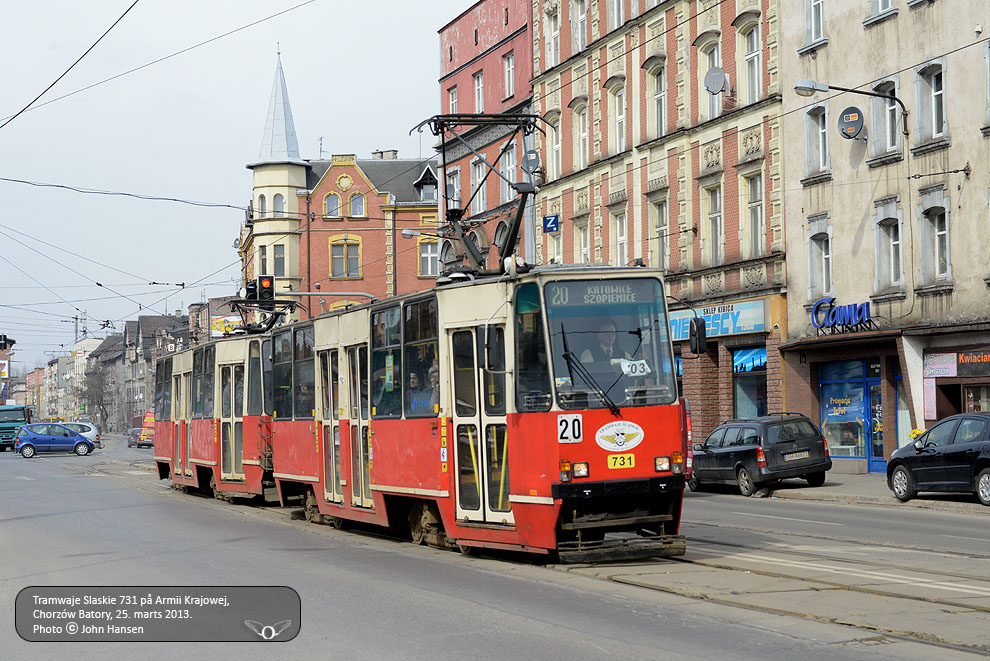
(954, 455)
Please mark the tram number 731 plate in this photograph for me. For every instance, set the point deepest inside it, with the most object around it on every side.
(621, 461)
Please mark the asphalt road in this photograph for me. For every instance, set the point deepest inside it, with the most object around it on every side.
(105, 520)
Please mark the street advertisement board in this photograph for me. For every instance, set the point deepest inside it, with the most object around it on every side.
(722, 320)
(221, 324)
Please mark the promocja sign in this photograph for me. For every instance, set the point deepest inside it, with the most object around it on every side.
(830, 318)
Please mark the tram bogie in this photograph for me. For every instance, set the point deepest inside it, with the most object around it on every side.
(535, 413)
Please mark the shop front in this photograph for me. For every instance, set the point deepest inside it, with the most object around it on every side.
(956, 380)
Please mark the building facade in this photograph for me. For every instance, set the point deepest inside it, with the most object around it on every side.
(664, 149)
(486, 67)
(889, 231)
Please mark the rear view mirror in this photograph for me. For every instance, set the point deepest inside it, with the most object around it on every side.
(698, 447)
(696, 336)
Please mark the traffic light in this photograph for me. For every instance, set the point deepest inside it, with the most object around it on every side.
(3, 342)
(266, 292)
(251, 290)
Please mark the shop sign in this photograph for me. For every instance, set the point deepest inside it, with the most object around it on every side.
(974, 363)
(828, 317)
(939, 364)
(722, 320)
(929, 399)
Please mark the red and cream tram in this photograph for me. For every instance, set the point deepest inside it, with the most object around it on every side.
(537, 412)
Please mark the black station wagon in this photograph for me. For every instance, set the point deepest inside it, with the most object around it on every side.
(755, 452)
(954, 455)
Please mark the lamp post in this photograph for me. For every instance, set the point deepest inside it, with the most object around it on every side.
(805, 87)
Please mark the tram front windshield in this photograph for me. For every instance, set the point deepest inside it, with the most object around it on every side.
(609, 343)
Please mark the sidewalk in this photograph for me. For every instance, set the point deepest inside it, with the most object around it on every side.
(871, 489)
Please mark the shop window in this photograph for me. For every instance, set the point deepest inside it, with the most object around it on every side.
(749, 382)
(976, 399)
(843, 409)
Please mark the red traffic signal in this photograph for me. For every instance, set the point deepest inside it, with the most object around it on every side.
(266, 291)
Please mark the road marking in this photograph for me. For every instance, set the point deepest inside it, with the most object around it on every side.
(978, 539)
(787, 518)
(135, 472)
(25, 477)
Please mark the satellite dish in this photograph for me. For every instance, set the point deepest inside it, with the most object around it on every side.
(715, 80)
(851, 123)
(530, 161)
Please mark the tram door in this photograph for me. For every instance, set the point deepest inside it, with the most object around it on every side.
(357, 365)
(480, 450)
(330, 421)
(178, 422)
(232, 422)
(187, 431)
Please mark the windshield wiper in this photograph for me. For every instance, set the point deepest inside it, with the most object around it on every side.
(574, 365)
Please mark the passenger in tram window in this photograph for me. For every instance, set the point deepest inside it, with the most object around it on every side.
(434, 388)
(305, 401)
(418, 399)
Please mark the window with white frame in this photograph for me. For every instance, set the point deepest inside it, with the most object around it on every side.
(263, 260)
(619, 113)
(660, 101)
(753, 71)
(616, 13)
(479, 92)
(357, 205)
(479, 203)
(331, 206)
(582, 138)
(452, 100)
(888, 253)
(508, 170)
(453, 189)
(937, 231)
(820, 264)
(884, 5)
(714, 59)
(429, 257)
(556, 248)
(582, 244)
(579, 17)
(663, 234)
(816, 20)
(757, 223)
(555, 164)
(885, 119)
(278, 205)
(931, 102)
(716, 228)
(262, 207)
(621, 253)
(509, 66)
(553, 39)
(816, 134)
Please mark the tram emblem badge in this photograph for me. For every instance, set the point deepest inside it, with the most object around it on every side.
(619, 435)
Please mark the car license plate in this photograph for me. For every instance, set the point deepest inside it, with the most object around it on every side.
(796, 455)
(621, 461)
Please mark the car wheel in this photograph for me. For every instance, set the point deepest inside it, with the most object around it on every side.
(129, 444)
(81, 449)
(27, 451)
(902, 484)
(815, 479)
(693, 484)
(983, 486)
(746, 485)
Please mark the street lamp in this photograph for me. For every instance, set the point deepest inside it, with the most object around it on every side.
(805, 87)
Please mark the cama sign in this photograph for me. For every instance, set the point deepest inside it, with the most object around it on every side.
(826, 316)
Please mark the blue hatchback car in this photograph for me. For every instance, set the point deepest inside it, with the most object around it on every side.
(32, 439)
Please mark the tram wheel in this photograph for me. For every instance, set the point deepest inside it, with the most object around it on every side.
(213, 488)
(467, 550)
(312, 510)
(417, 531)
(338, 523)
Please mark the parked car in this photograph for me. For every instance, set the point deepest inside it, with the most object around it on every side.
(87, 429)
(140, 437)
(954, 455)
(49, 437)
(756, 452)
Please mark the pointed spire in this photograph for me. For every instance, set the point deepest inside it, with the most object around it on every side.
(279, 143)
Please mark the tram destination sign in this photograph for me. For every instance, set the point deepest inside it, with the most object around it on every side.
(609, 292)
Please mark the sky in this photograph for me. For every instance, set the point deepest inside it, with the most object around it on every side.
(358, 75)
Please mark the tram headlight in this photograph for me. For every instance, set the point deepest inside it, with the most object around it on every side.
(580, 469)
(661, 464)
(677, 463)
(565, 470)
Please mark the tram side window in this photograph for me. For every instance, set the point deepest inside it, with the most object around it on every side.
(254, 402)
(422, 396)
(268, 374)
(494, 380)
(305, 377)
(363, 361)
(238, 391)
(532, 373)
(159, 374)
(329, 373)
(208, 363)
(282, 371)
(197, 389)
(386, 364)
(166, 413)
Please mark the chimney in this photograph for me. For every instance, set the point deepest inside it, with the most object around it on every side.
(385, 154)
(376, 155)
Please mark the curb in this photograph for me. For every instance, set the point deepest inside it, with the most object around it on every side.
(936, 505)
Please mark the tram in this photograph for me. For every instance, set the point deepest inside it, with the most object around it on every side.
(537, 412)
